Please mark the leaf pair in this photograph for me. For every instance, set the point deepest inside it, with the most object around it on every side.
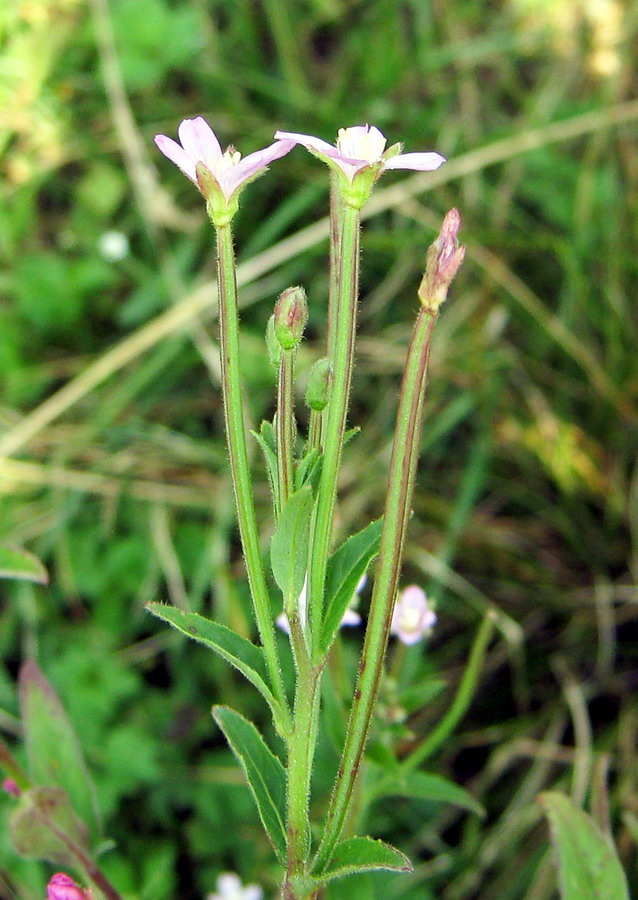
(266, 779)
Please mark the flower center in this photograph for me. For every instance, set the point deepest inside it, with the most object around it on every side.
(410, 619)
(361, 143)
(229, 159)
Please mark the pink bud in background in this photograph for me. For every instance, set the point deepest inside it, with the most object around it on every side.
(9, 786)
(62, 887)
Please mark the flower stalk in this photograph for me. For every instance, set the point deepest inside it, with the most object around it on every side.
(238, 456)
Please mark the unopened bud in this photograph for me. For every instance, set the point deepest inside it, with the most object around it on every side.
(443, 261)
(9, 786)
(319, 385)
(62, 887)
(291, 315)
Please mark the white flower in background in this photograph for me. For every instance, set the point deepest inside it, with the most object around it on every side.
(350, 617)
(113, 246)
(412, 618)
(229, 887)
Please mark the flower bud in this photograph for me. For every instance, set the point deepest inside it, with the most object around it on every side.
(291, 315)
(319, 385)
(9, 786)
(443, 261)
(62, 887)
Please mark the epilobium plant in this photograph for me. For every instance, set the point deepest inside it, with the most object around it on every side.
(312, 585)
(317, 585)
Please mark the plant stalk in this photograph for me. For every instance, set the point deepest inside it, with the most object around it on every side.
(238, 456)
(401, 481)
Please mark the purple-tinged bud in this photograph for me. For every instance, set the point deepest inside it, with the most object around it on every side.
(291, 315)
(62, 887)
(9, 786)
(319, 385)
(443, 261)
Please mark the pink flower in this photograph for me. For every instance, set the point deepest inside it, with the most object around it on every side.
(201, 159)
(412, 619)
(62, 887)
(9, 786)
(363, 147)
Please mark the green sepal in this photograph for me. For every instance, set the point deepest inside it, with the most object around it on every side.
(264, 773)
(238, 651)
(588, 864)
(345, 569)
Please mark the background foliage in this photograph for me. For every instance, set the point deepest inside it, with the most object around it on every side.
(113, 467)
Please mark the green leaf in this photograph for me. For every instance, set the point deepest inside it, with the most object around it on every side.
(53, 751)
(266, 440)
(346, 566)
(588, 865)
(426, 786)
(363, 854)
(18, 565)
(309, 469)
(235, 649)
(45, 826)
(289, 545)
(263, 770)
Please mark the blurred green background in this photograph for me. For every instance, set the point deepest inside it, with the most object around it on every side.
(113, 466)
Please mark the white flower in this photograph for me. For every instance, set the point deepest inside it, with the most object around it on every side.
(412, 619)
(113, 246)
(350, 617)
(229, 887)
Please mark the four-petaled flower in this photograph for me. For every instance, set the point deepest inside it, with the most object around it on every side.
(229, 887)
(350, 617)
(218, 175)
(412, 618)
(62, 887)
(359, 157)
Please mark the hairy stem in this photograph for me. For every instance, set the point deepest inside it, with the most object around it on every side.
(238, 456)
(401, 480)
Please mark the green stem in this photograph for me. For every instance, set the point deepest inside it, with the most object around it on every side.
(342, 338)
(314, 430)
(238, 456)
(285, 425)
(401, 480)
(462, 699)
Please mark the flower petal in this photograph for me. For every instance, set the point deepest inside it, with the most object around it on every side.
(250, 166)
(199, 141)
(307, 141)
(172, 150)
(418, 162)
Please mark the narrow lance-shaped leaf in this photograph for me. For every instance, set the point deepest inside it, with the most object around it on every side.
(289, 545)
(19, 565)
(363, 854)
(588, 865)
(425, 786)
(345, 569)
(241, 653)
(263, 770)
(53, 750)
